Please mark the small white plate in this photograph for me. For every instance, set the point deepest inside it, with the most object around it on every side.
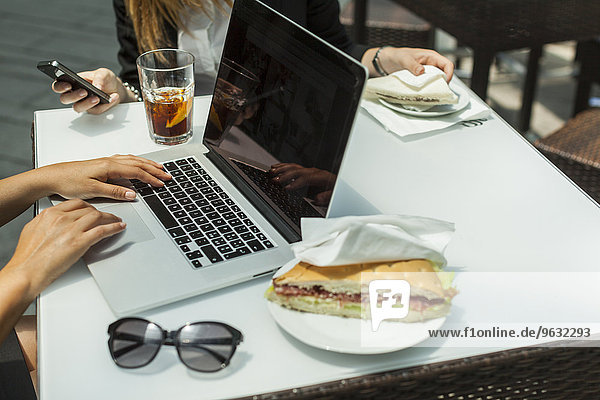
(435, 111)
(349, 335)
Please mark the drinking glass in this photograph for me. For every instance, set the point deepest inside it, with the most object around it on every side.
(167, 82)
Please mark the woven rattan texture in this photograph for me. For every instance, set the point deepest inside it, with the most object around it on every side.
(377, 36)
(528, 373)
(586, 177)
(575, 150)
(578, 139)
(510, 24)
(390, 24)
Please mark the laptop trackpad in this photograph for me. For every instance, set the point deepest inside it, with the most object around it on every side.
(136, 232)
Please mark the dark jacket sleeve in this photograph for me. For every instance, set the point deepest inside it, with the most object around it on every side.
(324, 21)
(128, 51)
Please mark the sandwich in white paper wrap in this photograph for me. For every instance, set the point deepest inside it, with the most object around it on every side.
(418, 92)
(337, 254)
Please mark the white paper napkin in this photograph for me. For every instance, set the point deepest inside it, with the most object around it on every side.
(352, 240)
(405, 125)
(418, 81)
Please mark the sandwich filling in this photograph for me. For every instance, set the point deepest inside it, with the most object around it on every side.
(417, 303)
(341, 290)
(402, 87)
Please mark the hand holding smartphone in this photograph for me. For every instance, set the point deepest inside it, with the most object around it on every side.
(59, 72)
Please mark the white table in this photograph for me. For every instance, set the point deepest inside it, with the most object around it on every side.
(513, 212)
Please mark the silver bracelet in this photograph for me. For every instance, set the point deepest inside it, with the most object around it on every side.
(133, 89)
(377, 63)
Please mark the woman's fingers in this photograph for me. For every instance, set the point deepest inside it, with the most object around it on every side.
(298, 183)
(131, 157)
(73, 96)
(71, 205)
(152, 168)
(92, 218)
(61, 87)
(92, 104)
(413, 65)
(323, 198)
(86, 103)
(99, 232)
(448, 70)
(288, 176)
(76, 214)
(438, 60)
(283, 167)
(414, 60)
(110, 191)
(99, 108)
(128, 171)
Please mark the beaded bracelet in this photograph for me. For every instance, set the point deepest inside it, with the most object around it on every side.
(133, 89)
(377, 63)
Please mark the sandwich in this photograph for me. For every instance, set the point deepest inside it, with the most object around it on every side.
(398, 88)
(343, 290)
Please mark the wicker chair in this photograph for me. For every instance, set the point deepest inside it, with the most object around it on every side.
(491, 26)
(544, 373)
(588, 55)
(389, 24)
(575, 150)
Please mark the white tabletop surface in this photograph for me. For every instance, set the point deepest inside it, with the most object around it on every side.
(513, 212)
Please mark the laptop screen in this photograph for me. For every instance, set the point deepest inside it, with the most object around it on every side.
(281, 113)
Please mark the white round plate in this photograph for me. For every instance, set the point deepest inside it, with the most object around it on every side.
(349, 335)
(436, 111)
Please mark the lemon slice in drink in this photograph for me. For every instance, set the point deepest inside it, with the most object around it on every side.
(182, 113)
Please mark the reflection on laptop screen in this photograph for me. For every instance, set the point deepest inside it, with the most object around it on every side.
(281, 113)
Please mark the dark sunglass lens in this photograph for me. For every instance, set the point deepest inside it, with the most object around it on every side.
(135, 343)
(205, 347)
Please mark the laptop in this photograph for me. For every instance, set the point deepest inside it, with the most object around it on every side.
(279, 121)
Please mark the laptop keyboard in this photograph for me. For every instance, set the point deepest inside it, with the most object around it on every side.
(294, 206)
(205, 223)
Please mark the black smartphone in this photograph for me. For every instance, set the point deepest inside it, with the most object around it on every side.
(59, 72)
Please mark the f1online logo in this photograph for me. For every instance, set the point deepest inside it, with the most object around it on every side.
(389, 299)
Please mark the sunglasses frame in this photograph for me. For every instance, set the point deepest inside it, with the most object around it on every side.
(171, 338)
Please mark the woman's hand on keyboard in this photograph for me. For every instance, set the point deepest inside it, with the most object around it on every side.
(51, 242)
(97, 178)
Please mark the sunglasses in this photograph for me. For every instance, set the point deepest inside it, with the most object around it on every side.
(201, 346)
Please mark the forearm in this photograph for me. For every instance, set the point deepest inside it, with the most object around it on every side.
(19, 192)
(16, 293)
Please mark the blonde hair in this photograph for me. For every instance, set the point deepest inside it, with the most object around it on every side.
(149, 18)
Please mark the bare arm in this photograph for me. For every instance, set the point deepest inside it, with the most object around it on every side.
(60, 235)
(18, 193)
(47, 247)
(80, 179)
(15, 297)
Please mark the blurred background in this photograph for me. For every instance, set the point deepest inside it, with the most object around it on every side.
(81, 34)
